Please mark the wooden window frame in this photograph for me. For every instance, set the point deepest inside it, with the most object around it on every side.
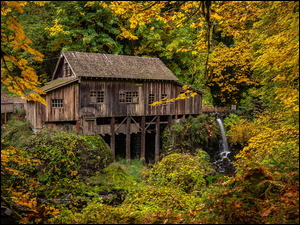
(151, 98)
(96, 97)
(129, 97)
(57, 103)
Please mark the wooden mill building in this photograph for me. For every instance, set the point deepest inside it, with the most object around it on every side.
(110, 95)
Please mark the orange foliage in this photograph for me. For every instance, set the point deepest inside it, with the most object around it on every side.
(13, 42)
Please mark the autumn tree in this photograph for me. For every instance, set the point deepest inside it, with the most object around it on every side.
(17, 75)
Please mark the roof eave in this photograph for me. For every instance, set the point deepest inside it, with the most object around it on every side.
(61, 85)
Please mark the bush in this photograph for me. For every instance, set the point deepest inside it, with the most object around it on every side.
(190, 134)
(181, 170)
(66, 155)
(16, 131)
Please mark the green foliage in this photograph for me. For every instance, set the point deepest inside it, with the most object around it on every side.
(143, 205)
(64, 155)
(131, 167)
(181, 170)
(190, 134)
(84, 28)
(250, 104)
(115, 177)
(151, 199)
(16, 131)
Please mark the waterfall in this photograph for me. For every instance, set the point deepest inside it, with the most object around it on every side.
(225, 151)
(221, 165)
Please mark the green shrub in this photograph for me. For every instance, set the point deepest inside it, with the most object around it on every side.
(66, 155)
(16, 131)
(180, 170)
(144, 205)
(114, 177)
(190, 134)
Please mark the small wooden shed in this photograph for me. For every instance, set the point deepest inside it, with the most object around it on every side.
(9, 106)
(110, 95)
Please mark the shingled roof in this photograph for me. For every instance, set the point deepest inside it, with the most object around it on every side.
(49, 86)
(85, 64)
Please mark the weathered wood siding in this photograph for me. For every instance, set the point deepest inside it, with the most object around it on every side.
(69, 112)
(35, 113)
(111, 107)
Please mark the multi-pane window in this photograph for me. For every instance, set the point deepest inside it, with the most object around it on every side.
(57, 103)
(97, 96)
(162, 97)
(151, 98)
(129, 97)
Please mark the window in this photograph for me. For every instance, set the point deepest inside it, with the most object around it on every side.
(162, 97)
(129, 97)
(151, 98)
(57, 103)
(97, 96)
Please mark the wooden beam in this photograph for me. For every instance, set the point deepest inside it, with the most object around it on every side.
(112, 137)
(143, 126)
(128, 139)
(157, 138)
(77, 125)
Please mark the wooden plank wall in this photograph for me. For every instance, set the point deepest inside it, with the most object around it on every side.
(112, 108)
(69, 112)
(35, 113)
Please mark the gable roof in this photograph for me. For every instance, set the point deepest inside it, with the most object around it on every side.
(85, 64)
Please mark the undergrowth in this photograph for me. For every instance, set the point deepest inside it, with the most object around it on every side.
(181, 188)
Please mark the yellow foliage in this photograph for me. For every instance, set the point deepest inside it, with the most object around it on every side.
(27, 79)
(272, 138)
(241, 131)
(187, 94)
(127, 34)
(56, 29)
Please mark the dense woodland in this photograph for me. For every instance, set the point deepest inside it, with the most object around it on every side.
(238, 52)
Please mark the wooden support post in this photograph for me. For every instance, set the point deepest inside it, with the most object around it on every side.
(128, 139)
(157, 138)
(143, 138)
(77, 125)
(112, 136)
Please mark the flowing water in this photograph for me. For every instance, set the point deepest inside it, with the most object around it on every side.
(223, 164)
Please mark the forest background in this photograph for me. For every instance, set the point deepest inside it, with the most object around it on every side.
(238, 52)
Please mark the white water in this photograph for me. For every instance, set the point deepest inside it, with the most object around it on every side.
(224, 150)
